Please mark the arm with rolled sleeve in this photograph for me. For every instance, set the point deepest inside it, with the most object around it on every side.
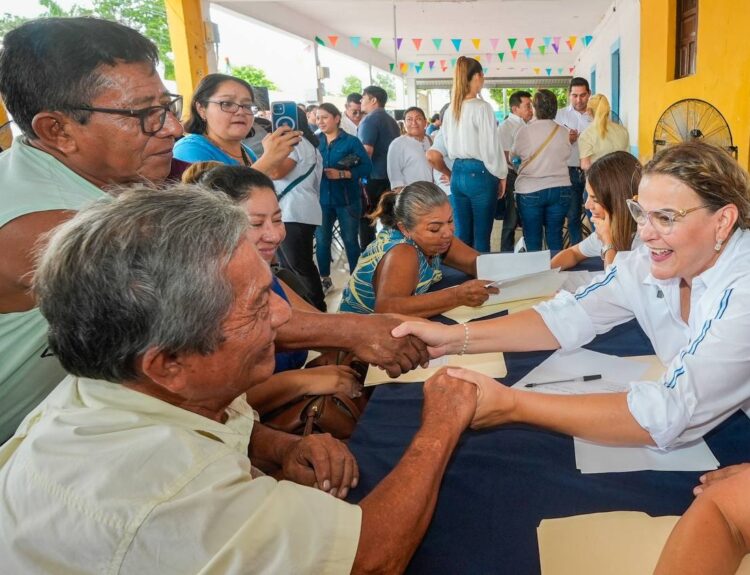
(705, 383)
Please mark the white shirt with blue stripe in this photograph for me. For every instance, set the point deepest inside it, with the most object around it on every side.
(708, 359)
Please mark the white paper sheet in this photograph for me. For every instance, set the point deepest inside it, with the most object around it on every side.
(595, 458)
(574, 280)
(616, 373)
(462, 314)
(491, 364)
(541, 284)
(505, 265)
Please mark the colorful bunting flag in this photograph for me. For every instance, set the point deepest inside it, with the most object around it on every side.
(512, 42)
(476, 42)
(514, 53)
(391, 66)
(547, 40)
(411, 66)
(488, 56)
(529, 42)
(537, 70)
(398, 43)
(556, 47)
(485, 69)
(375, 42)
(417, 42)
(587, 40)
(572, 41)
(501, 55)
(453, 62)
(527, 51)
(431, 64)
(437, 42)
(355, 41)
(549, 71)
(493, 43)
(443, 65)
(571, 69)
(333, 40)
(320, 41)
(456, 43)
(404, 67)
(478, 58)
(542, 49)
(570, 45)
(559, 71)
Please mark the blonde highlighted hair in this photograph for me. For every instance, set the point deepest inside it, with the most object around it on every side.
(466, 69)
(600, 109)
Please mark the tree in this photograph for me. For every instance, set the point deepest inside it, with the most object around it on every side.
(386, 82)
(561, 93)
(351, 84)
(253, 76)
(149, 17)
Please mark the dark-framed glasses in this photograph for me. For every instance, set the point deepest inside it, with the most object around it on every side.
(661, 220)
(152, 118)
(232, 107)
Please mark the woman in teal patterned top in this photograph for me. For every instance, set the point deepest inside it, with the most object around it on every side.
(395, 271)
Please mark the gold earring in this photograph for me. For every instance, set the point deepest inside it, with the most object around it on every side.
(718, 244)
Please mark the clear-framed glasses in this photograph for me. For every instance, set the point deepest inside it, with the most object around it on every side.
(232, 107)
(152, 118)
(661, 220)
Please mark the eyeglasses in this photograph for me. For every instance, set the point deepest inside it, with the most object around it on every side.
(661, 220)
(152, 118)
(232, 107)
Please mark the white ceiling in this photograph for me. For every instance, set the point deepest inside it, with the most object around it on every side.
(443, 19)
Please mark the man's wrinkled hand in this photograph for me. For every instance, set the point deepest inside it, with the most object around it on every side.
(377, 346)
(322, 462)
(450, 398)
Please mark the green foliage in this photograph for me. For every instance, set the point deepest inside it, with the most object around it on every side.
(253, 76)
(386, 82)
(497, 95)
(351, 84)
(149, 17)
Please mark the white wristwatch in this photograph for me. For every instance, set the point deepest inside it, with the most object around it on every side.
(605, 249)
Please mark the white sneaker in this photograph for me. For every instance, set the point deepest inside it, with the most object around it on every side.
(327, 284)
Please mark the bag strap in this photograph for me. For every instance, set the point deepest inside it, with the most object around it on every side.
(297, 181)
(539, 149)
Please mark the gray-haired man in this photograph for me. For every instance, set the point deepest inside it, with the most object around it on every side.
(140, 461)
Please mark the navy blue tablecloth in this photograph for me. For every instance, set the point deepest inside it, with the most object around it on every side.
(501, 483)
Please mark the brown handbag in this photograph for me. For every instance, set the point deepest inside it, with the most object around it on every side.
(336, 414)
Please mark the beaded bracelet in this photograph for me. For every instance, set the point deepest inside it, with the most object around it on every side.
(466, 339)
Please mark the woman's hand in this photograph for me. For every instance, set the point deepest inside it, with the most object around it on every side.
(329, 379)
(334, 174)
(440, 339)
(474, 293)
(603, 228)
(495, 402)
(279, 144)
(713, 476)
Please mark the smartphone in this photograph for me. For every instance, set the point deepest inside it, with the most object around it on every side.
(284, 114)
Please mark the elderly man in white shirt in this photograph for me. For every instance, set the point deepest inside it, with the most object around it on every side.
(352, 115)
(141, 460)
(407, 162)
(521, 113)
(575, 119)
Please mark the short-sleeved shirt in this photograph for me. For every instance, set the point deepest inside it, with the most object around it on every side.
(31, 181)
(301, 204)
(592, 144)
(378, 129)
(571, 119)
(359, 294)
(407, 162)
(197, 148)
(549, 168)
(508, 130)
(104, 479)
(591, 246)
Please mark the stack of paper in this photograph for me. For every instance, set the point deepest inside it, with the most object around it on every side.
(490, 364)
(519, 276)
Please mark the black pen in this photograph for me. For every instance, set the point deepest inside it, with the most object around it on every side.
(580, 379)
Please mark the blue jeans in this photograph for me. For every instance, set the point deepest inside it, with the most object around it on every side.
(474, 198)
(578, 185)
(543, 209)
(348, 217)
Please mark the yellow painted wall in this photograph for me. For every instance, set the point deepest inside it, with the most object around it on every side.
(187, 33)
(722, 75)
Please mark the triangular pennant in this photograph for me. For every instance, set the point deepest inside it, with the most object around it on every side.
(529, 42)
(488, 57)
(571, 69)
(493, 43)
(556, 47)
(542, 49)
(512, 42)
(453, 62)
(354, 40)
(537, 70)
(476, 42)
(333, 40)
(527, 51)
(443, 65)
(417, 42)
(411, 66)
(556, 39)
(398, 43)
(391, 66)
(549, 71)
(485, 70)
(478, 58)
(375, 42)
(431, 64)
(404, 67)
(456, 43)
(320, 41)
(547, 40)
(418, 68)
(514, 53)
(572, 41)
(501, 55)
(570, 45)
(559, 71)
(587, 39)
(437, 42)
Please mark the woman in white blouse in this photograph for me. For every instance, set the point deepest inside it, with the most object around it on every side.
(473, 143)
(688, 287)
(611, 181)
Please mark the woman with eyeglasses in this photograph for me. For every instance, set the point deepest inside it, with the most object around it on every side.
(221, 115)
(688, 286)
(611, 181)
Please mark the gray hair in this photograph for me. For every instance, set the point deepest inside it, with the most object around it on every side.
(408, 205)
(144, 270)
